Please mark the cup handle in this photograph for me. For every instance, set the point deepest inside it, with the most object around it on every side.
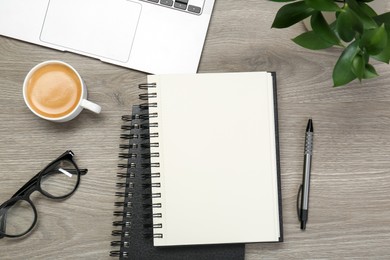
(91, 106)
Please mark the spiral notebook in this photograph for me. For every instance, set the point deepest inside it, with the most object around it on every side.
(215, 165)
(134, 227)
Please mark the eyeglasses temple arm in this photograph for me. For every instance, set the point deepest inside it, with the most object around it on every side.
(83, 171)
(72, 171)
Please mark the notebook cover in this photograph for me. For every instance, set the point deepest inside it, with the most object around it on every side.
(137, 235)
(281, 238)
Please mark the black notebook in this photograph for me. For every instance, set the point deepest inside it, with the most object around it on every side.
(135, 224)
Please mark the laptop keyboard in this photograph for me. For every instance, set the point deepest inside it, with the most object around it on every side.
(190, 6)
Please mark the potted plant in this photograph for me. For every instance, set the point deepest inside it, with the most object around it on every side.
(357, 29)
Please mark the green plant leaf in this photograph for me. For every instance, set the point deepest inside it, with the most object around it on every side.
(310, 40)
(366, 56)
(348, 24)
(370, 72)
(323, 5)
(374, 40)
(358, 66)
(366, 20)
(322, 29)
(382, 19)
(342, 72)
(367, 10)
(384, 56)
(290, 14)
(281, 1)
(333, 27)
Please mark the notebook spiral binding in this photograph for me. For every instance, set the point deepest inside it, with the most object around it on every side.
(139, 133)
(126, 185)
(153, 177)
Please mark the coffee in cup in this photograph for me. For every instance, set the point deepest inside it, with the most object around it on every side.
(54, 90)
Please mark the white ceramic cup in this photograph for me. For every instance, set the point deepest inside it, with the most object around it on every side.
(82, 103)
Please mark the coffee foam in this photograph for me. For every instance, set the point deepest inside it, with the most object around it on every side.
(54, 90)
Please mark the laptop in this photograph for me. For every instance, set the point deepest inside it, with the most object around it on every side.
(154, 36)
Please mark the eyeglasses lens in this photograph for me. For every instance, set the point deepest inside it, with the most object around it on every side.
(60, 179)
(16, 218)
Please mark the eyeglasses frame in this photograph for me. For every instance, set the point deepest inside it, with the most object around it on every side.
(34, 184)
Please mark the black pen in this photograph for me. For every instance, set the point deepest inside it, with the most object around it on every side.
(305, 187)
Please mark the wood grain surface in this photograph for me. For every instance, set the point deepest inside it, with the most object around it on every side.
(349, 213)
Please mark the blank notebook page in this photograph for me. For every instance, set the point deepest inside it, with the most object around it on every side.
(217, 156)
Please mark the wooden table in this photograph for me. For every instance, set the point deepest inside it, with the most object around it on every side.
(350, 196)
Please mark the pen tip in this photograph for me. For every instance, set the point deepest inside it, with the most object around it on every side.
(309, 127)
(303, 225)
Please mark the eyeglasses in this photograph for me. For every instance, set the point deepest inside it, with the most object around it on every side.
(58, 180)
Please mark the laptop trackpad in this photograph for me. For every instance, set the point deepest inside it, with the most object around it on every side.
(103, 28)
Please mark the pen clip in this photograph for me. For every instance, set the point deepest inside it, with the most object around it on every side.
(298, 199)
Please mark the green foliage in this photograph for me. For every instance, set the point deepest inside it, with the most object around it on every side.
(291, 14)
(358, 29)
